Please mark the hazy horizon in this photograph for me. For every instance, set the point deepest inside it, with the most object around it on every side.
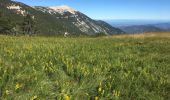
(113, 9)
(130, 22)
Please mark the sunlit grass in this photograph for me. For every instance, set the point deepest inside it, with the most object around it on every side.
(122, 67)
(143, 35)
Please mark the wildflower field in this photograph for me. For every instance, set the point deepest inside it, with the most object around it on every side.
(103, 68)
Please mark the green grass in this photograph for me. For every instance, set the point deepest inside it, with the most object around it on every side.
(47, 68)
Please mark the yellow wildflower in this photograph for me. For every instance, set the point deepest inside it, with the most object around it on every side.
(17, 86)
(96, 98)
(116, 93)
(67, 97)
(34, 98)
(100, 89)
(7, 92)
(27, 47)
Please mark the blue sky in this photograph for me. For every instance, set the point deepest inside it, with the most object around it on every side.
(114, 9)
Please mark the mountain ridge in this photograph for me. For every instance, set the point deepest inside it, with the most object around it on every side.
(56, 20)
(63, 8)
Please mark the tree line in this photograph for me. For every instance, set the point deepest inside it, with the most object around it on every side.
(9, 27)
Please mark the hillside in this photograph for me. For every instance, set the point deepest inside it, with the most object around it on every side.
(56, 20)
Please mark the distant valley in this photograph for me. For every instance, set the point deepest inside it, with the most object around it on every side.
(141, 26)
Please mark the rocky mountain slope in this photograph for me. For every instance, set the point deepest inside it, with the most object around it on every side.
(56, 19)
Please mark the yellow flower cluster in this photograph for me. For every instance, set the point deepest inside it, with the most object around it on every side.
(96, 98)
(7, 92)
(67, 97)
(17, 86)
(99, 89)
(27, 47)
(34, 98)
(116, 93)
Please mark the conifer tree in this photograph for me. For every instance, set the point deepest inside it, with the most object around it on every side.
(29, 25)
(6, 25)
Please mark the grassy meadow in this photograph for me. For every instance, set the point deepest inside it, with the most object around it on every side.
(121, 67)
